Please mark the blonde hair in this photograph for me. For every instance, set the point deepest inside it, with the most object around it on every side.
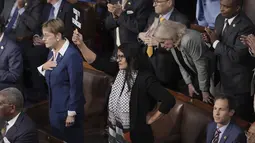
(170, 30)
(54, 26)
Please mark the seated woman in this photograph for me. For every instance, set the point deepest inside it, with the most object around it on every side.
(133, 95)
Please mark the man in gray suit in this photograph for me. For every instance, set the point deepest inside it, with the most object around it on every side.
(11, 64)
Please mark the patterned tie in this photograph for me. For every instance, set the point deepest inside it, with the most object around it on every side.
(3, 130)
(150, 48)
(216, 136)
(226, 27)
(52, 15)
(12, 21)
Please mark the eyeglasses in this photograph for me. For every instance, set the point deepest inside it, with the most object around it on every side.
(120, 57)
(157, 1)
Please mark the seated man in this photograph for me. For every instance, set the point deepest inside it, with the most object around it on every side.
(18, 127)
(11, 63)
(223, 129)
(251, 134)
(188, 50)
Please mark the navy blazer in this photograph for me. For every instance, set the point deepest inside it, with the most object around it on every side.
(232, 134)
(23, 131)
(11, 63)
(65, 82)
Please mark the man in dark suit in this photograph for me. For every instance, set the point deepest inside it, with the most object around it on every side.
(233, 57)
(11, 63)
(223, 130)
(164, 65)
(18, 127)
(127, 18)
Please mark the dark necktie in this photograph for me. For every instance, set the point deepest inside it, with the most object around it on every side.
(52, 16)
(226, 27)
(12, 21)
(216, 136)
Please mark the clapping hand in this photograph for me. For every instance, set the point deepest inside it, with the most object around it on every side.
(211, 35)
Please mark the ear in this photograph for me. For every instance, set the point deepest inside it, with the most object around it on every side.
(170, 3)
(59, 36)
(238, 8)
(231, 112)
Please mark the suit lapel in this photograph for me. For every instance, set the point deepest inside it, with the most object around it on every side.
(8, 10)
(3, 45)
(233, 25)
(226, 133)
(12, 131)
(173, 15)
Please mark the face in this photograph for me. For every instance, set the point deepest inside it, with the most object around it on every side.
(121, 60)
(5, 109)
(162, 6)
(251, 134)
(221, 112)
(228, 8)
(50, 39)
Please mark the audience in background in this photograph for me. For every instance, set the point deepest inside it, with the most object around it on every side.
(127, 18)
(11, 62)
(223, 129)
(17, 126)
(233, 59)
(206, 12)
(64, 76)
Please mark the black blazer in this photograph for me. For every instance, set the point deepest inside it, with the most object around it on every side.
(11, 64)
(233, 57)
(27, 22)
(144, 95)
(65, 14)
(132, 21)
(23, 131)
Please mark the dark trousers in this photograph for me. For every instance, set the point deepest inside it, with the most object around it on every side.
(73, 134)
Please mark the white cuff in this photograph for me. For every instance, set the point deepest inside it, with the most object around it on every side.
(215, 43)
(40, 69)
(21, 11)
(71, 113)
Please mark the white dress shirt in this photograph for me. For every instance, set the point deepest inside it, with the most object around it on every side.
(20, 11)
(2, 36)
(215, 43)
(222, 130)
(56, 8)
(11, 122)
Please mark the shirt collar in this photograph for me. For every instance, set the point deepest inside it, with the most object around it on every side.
(57, 5)
(167, 16)
(2, 36)
(230, 20)
(63, 48)
(13, 120)
(223, 128)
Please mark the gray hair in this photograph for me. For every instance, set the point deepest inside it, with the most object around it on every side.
(13, 96)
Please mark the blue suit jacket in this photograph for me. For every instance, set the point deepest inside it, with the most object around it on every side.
(207, 11)
(65, 82)
(23, 131)
(11, 64)
(232, 134)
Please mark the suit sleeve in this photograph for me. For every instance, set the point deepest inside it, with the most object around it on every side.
(75, 72)
(137, 21)
(159, 93)
(15, 64)
(195, 48)
(31, 17)
(110, 22)
(238, 52)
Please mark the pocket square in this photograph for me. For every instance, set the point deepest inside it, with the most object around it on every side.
(130, 12)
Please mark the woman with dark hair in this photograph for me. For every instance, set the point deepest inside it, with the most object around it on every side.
(133, 95)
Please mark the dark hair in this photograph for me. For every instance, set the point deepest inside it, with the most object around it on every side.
(136, 60)
(2, 26)
(230, 99)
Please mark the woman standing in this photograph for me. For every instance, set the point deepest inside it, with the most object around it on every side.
(64, 74)
(133, 95)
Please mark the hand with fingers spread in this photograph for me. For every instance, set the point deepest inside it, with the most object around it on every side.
(211, 35)
(49, 65)
(207, 98)
(192, 90)
(69, 121)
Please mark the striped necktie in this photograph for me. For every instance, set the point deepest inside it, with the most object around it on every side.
(216, 136)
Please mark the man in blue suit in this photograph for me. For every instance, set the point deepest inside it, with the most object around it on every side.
(11, 63)
(223, 130)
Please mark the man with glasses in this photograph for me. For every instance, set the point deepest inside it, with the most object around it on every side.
(164, 65)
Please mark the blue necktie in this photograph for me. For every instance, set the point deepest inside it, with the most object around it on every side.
(12, 21)
(51, 16)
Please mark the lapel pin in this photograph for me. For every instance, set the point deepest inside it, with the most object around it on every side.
(2, 47)
(225, 137)
(129, 3)
(234, 25)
